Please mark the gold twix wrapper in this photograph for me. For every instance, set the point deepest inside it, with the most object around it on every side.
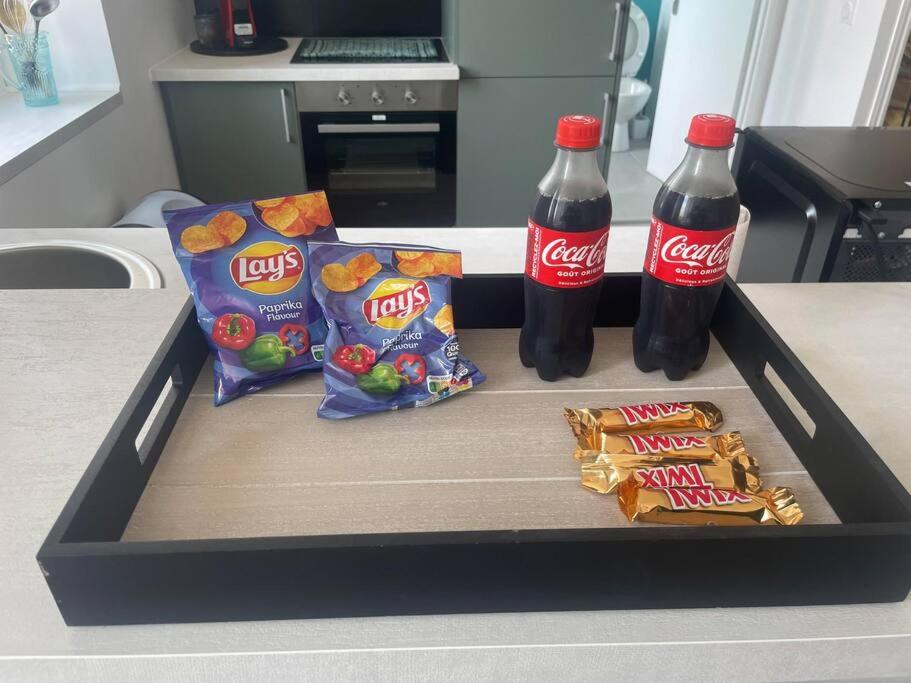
(646, 417)
(680, 446)
(721, 507)
(739, 472)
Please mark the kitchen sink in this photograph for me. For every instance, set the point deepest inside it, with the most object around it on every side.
(73, 264)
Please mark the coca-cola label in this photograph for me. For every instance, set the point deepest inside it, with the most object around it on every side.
(649, 412)
(693, 258)
(565, 259)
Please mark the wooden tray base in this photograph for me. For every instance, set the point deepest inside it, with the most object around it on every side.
(496, 457)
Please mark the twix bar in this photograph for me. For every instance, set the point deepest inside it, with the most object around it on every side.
(645, 417)
(680, 446)
(739, 472)
(722, 507)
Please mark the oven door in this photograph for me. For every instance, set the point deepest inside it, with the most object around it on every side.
(383, 170)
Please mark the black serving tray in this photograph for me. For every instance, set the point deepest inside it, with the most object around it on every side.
(98, 579)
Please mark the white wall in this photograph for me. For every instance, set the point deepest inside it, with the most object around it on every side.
(94, 177)
(822, 63)
(707, 42)
(80, 46)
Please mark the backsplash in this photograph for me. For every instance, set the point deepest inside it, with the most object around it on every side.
(343, 17)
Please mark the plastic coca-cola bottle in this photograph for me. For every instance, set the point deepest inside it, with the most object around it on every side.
(564, 258)
(693, 223)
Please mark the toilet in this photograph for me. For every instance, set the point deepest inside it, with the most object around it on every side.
(633, 93)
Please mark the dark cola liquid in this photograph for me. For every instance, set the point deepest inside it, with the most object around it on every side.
(557, 335)
(672, 333)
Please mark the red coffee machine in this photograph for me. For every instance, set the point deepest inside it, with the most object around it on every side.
(240, 27)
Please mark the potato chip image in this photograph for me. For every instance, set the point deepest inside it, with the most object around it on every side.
(444, 322)
(198, 239)
(408, 255)
(229, 225)
(338, 278)
(448, 263)
(270, 203)
(314, 206)
(302, 226)
(281, 218)
(364, 266)
(419, 267)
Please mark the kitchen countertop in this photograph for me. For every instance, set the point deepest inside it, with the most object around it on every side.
(185, 65)
(851, 337)
(490, 250)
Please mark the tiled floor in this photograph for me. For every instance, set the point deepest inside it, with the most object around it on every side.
(632, 188)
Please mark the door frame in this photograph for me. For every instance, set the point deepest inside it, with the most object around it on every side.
(894, 32)
(756, 73)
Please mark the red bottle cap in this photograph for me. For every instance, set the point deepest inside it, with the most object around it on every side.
(579, 131)
(711, 130)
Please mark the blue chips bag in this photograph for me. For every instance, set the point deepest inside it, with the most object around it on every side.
(246, 266)
(392, 342)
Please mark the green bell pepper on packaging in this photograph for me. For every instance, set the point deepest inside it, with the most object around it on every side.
(267, 353)
(383, 378)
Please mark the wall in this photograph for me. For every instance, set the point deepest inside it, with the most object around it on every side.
(94, 178)
(657, 47)
(822, 63)
(652, 10)
(695, 79)
(80, 46)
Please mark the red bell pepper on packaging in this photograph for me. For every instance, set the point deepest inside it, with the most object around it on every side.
(355, 358)
(295, 337)
(412, 366)
(234, 331)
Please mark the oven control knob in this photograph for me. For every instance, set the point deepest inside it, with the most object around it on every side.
(343, 97)
(411, 97)
(377, 97)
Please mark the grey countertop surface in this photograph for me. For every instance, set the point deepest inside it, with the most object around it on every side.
(185, 65)
(60, 393)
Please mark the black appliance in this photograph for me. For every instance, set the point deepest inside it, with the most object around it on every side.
(239, 34)
(827, 204)
(384, 152)
(239, 24)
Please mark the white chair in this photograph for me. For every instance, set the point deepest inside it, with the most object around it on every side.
(149, 213)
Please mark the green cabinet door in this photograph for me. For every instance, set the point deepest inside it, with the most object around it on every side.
(235, 141)
(534, 38)
(505, 141)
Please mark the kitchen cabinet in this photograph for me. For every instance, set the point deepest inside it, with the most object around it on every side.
(533, 38)
(235, 141)
(505, 141)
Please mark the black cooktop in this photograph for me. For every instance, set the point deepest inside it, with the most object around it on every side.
(857, 163)
(369, 50)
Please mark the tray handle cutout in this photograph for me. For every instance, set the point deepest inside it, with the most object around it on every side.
(163, 412)
(777, 385)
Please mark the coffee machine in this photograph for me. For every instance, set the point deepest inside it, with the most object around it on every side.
(239, 24)
(228, 28)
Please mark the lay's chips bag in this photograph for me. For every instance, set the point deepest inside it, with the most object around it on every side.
(246, 264)
(392, 341)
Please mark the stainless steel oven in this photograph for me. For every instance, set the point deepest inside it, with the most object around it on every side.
(385, 153)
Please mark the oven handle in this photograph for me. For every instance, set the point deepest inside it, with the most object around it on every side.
(335, 128)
